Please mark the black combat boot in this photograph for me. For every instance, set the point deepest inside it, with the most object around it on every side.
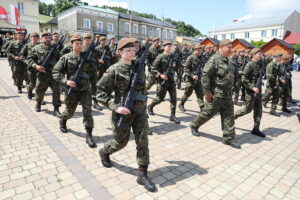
(43, 103)
(63, 126)
(38, 106)
(284, 109)
(89, 137)
(56, 112)
(265, 104)
(19, 90)
(298, 116)
(173, 118)
(30, 94)
(144, 180)
(243, 98)
(150, 109)
(236, 102)
(257, 132)
(195, 131)
(181, 107)
(96, 105)
(232, 143)
(105, 158)
(273, 112)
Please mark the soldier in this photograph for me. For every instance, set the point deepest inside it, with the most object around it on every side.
(184, 53)
(66, 48)
(284, 86)
(206, 53)
(192, 68)
(152, 54)
(177, 64)
(251, 73)
(10, 60)
(237, 73)
(165, 83)
(217, 83)
(113, 47)
(44, 78)
(273, 80)
(13, 52)
(35, 37)
(116, 80)
(63, 72)
(242, 60)
(103, 60)
(145, 43)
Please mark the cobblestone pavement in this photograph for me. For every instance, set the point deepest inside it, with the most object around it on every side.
(39, 162)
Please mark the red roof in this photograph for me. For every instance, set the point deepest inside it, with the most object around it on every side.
(292, 38)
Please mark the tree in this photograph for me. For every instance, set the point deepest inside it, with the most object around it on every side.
(258, 44)
(297, 49)
(62, 5)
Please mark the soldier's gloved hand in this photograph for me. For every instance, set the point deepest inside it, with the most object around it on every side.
(256, 90)
(208, 97)
(164, 77)
(195, 77)
(122, 110)
(40, 68)
(71, 84)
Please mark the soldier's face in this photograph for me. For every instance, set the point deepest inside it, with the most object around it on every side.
(103, 42)
(35, 39)
(15, 37)
(156, 43)
(87, 41)
(55, 37)
(257, 56)
(167, 48)
(198, 52)
(20, 37)
(47, 39)
(128, 53)
(284, 61)
(226, 50)
(77, 46)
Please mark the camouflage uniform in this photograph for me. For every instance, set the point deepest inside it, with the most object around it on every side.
(67, 65)
(218, 80)
(116, 80)
(284, 89)
(242, 60)
(101, 68)
(66, 49)
(178, 67)
(44, 80)
(114, 57)
(237, 80)
(152, 54)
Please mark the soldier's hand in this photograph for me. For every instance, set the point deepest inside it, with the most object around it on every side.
(164, 77)
(208, 97)
(40, 68)
(101, 61)
(174, 65)
(122, 110)
(283, 81)
(71, 84)
(17, 58)
(256, 90)
(277, 83)
(195, 77)
(240, 72)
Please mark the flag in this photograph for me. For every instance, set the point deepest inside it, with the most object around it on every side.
(3, 13)
(15, 15)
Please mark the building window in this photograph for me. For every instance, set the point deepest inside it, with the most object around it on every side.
(164, 33)
(144, 30)
(263, 33)
(223, 36)
(127, 27)
(274, 32)
(99, 25)
(151, 33)
(232, 36)
(110, 27)
(216, 36)
(247, 34)
(170, 35)
(158, 32)
(135, 29)
(86, 23)
(21, 8)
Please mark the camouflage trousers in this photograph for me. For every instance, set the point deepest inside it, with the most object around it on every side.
(284, 93)
(85, 98)
(237, 88)
(224, 106)
(12, 68)
(139, 124)
(190, 85)
(32, 79)
(151, 79)
(19, 72)
(271, 91)
(162, 90)
(252, 103)
(42, 84)
(179, 73)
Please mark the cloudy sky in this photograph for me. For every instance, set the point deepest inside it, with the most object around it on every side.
(204, 14)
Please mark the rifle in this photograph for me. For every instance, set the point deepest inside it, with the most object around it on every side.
(131, 96)
(56, 47)
(170, 72)
(277, 76)
(199, 69)
(114, 50)
(85, 57)
(259, 81)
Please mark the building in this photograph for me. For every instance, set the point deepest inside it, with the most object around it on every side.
(292, 38)
(29, 15)
(48, 23)
(259, 28)
(84, 19)
(240, 44)
(213, 42)
(276, 46)
(141, 28)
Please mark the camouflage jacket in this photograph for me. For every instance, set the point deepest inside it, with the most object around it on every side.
(235, 65)
(185, 53)
(66, 68)
(6, 43)
(242, 61)
(117, 80)
(14, 49)
(26, 51)
(160, 65)
(250, 75)
(218, 77)
(152, 54)
(191, 64)
(99, 52)
(272, 73)
(66, 49)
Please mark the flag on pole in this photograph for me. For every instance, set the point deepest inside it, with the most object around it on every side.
(15, 15)
(3, 13)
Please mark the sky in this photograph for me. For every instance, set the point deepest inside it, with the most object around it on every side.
(205, 15)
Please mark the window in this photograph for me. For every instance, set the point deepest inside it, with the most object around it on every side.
(232, 36)
(216, 36)
(274, 32)
(21, 8)
(263, 33)
(171, 35)
(127, 27)
(99, 25)
(86, 23)
(223, 36)
(110, 27)
(246, 34)
(135, 29)
(144, 30)
(164, 33)
(151, 33)
(158, 32)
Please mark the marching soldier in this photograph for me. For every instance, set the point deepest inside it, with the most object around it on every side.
(152, 54)
(44, 78)
(165, 83)
(192, 68)
(113, 47)
(237, 73)
(63, 72)
(178, 66)
(103, 60)
(242, 60)
(35, 37)
(251, 73)
(116, 80)
(284, 86)
(217, 83)
(10, 60)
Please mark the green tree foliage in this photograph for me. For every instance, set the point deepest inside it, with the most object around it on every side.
(258, 44)
(58, 7)
(297, 49)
